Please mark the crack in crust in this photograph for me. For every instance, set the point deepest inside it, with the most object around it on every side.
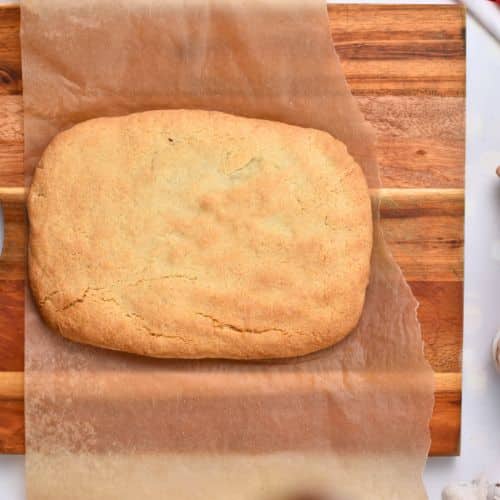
(116, 284)
(219, 324)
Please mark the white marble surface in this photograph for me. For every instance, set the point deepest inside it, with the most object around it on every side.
(481, 385)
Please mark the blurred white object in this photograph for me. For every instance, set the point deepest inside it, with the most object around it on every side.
(487, 13)
(495, 350)
(478, 489)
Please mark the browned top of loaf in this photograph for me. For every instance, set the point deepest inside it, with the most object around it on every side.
(199, 234)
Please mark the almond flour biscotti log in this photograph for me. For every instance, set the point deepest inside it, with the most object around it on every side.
(197, 234)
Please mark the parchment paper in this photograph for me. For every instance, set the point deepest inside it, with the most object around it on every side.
(348, 422)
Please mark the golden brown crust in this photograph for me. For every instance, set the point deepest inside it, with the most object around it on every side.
(195, 234)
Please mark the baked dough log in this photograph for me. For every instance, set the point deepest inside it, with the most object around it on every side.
(199, 234)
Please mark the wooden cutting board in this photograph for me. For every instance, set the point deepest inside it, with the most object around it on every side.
(406, 66)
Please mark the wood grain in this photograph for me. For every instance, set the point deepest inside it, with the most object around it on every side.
(11, 325)
(11, 138)
(401, 50)
(419, 139)
(124, 386)
(445, 425)
(440, 316)
(426, 221)
(11, 426)
(425, 239)
(222, 391)
(10, 50)
(406, 66)
(385, 49)
(12, 261)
